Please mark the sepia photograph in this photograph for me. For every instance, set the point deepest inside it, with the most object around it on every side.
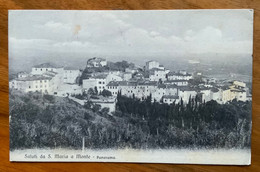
(137, 86)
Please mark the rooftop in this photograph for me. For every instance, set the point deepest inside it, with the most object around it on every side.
(70, 68)
(178, 74)
(181, 80)
(147, 83)
(113, 83)
(214, 89)
(34, 78)
(100, 76)
(186, 88)
(46, 65)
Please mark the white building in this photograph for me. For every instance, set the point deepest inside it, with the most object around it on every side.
(105, 102)
(71, 75)
(131, 70)
(185, 93)
(69, 90)
(37, 83)
(114, 76)
(216, 95)
(151, 64)
(159, 93)
(206, 94)
(158, 74)
(169, 99)
(22, 74)
(239, 84)
(127, 76)
(46, 67)
(113, 87)
(181, 75)
(177, 82)
(96, 62)
(98, 82)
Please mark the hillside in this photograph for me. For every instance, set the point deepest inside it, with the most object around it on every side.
(44, 121)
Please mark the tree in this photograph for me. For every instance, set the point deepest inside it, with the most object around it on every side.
(95, 90)
(105, 110)
(106, 93)
(91, 91)
(96, 107)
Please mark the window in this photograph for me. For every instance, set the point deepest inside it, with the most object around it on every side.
(99, 82)
(46, 69)
(40, 81)
(29, 86)
(36, 69)
(41, 69)
(99, 86)
(103, 82)
(36, 86)
(45, 80)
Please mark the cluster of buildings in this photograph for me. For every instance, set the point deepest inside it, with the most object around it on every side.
(153, 80)
(48, 79)
(164, 85)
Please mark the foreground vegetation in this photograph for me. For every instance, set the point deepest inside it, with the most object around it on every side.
(41, 121)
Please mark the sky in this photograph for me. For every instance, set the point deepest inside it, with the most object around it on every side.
(120, 35)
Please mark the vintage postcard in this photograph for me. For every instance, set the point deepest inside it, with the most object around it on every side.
(155, 86)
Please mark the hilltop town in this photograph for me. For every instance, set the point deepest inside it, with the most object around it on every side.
(100, 83)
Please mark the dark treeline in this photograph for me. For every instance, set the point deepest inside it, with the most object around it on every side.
(193, 125)
(44, 121)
